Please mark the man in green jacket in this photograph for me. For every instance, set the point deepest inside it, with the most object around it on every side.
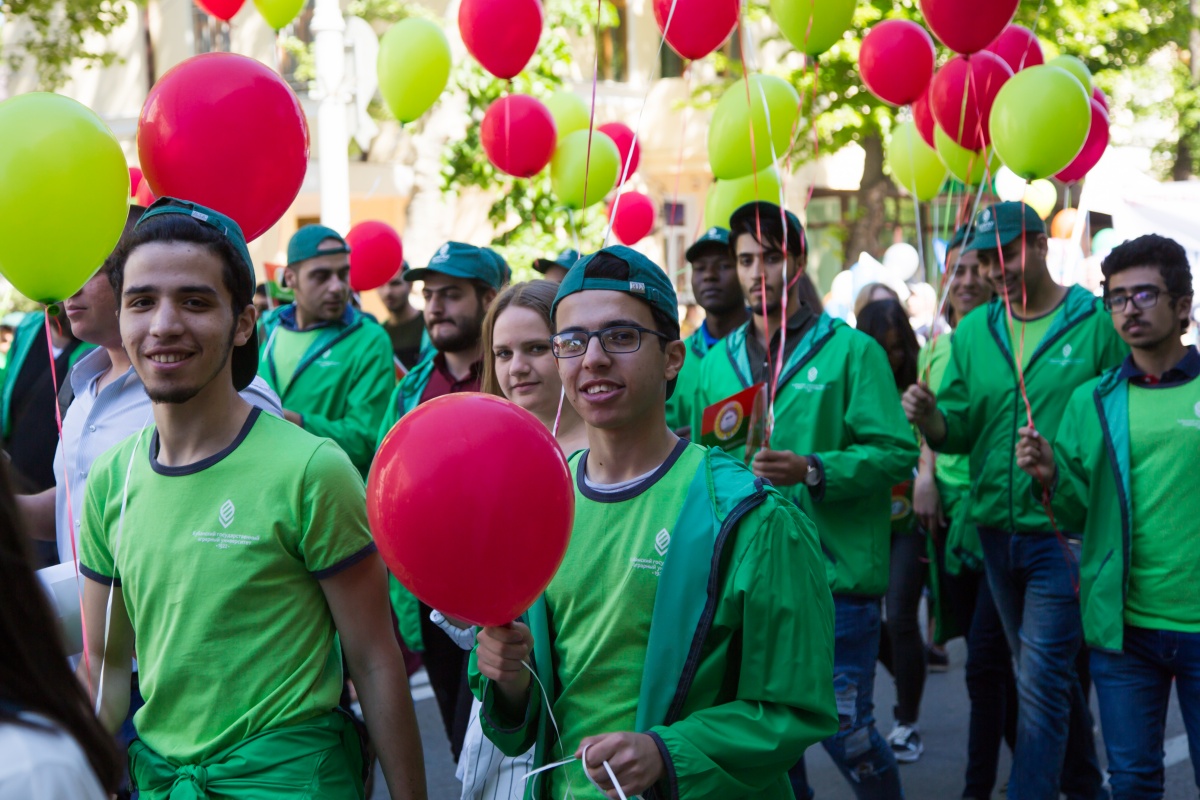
(330, 364)
(1054, 339)
(716, 288)
(1122, 470)
(686, 643)
(839, 444)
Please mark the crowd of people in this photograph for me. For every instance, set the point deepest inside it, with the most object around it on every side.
(719, 609)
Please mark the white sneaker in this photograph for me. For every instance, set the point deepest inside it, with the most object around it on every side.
(906, 743)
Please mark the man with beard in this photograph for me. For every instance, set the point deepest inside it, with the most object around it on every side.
(839, 445)
(460, 282)
(330, 364)
(405, 323)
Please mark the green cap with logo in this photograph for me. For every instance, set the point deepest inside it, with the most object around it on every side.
(566, 259)
(306, 243)
(244, 360)
(501, 264)
(713, 238)
(1001, 223)
(464, 261)
(647, 281)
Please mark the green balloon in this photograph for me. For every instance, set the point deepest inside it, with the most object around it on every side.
(1040, 121)
(830, 19)
(414, 66)
(730, 152)
(725, 197)
(64, 194)
(570, 112)
(968, 166)
(569, 169)
(1076, 67)
(915, 165)
(279, 13)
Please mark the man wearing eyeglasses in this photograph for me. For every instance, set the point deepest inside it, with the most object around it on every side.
(687, 639)
(1122, 469)
(1035, 340)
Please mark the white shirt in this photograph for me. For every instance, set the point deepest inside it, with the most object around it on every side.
(44, 764)
(97, 421)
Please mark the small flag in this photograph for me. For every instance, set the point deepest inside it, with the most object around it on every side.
(736, 420)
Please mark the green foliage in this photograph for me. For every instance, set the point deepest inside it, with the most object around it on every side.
(51, 35)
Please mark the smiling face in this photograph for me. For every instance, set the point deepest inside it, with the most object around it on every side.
(1007, 267)
(321, 285)
(1146, 328)
(761, 272)
(969, 289)
(616, 390)
(177, 320)
(93, 313)
(524, 365)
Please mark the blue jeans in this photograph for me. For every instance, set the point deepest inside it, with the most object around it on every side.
(1134, 688)
(1033, 579)
(862, 755)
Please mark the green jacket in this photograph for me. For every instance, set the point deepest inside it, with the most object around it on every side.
(836, 400)
(983, 407)
(738, 675)
(680, 405)
(31, 327)
(342, 382)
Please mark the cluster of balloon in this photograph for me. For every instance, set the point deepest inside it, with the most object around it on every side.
(504, 557)
(695, 28)
(376, 254)
(217, 115)
(56, 154)
(518, 135)
(413, 66)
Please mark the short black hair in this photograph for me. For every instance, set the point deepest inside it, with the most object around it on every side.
(1152, 250)
(236, 273)
(767, 230)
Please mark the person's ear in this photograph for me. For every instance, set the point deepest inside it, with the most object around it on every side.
(288, 278)
(244, 326)
(676, 352)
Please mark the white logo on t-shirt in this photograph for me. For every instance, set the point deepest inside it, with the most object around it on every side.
(662, 541)
(812, 374)
(1197, 409)
(225, 515)
(1066, 351)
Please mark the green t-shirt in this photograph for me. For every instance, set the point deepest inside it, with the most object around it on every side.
(1035, 331)
(952, 471)
(288, 350)
(601, 602)
(1164, 572)
(219, 565)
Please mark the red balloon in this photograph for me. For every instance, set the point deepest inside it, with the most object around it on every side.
(518, 135)
(144, 196)
(222, 9)
(978, 78)
(896, 61)
(376, 254)
(697, 27)
(480, 551)
(502, 35)
(622, 134)
(1100, 97)
(968, 26)
(225, 131)
(1019, 48)
(634, 219)
(135, 180)
(1093, 147)
(923, 117)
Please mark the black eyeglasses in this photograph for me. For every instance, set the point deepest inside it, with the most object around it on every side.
(1142, 299)
(620, 339)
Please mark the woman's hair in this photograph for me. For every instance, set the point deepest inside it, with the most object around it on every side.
(538, 297)
(34, 674)
(864, 296)
(879, 318)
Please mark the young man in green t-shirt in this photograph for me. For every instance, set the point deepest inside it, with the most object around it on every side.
(233, 546)
(687, 639)
(1123, 470)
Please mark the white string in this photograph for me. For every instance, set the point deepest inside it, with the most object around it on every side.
(562, 395)
(557, 733)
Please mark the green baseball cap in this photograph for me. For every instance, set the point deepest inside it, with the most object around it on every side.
(1001, 223)
(647, 281)
(958, 238)
(718, 237)
(566, 259)
(749, 216)
(244, 359)
(306, 243)
(464, 261)
(501, 264)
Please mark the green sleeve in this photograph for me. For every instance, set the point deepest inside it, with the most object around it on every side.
(95, 551)
(355, 430)
(954, 398)
(512, 736)
(883, 449)
(334, 527)
(1071, 490)
(784, 699)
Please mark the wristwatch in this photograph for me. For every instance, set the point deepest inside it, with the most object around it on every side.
(813, 476)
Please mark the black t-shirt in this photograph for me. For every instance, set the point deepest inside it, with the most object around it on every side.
(34, 433)
(406, 339)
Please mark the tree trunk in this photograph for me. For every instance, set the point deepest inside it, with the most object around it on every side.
(872, 211)
(1184, 165)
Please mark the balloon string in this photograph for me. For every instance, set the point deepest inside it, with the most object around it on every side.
(562, 395)
(58, 420)
(557, 735)
(587, 166)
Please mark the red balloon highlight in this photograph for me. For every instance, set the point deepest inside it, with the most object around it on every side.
(625, 140)
(634, 217)
(518, 135)
(968, 26)
(923, 117)
(376, 254)
(697, 27)
(1093, 147)
(225, 131)
(896, 61)
(502, 35)
(476, 550)
(962, 94)
(1019, 48)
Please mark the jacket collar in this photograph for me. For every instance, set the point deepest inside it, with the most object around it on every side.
(287, 318)
(1187, 370)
